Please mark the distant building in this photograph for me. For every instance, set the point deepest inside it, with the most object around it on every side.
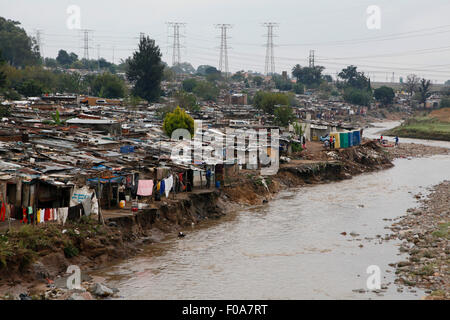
(236, 99)
(95, 101)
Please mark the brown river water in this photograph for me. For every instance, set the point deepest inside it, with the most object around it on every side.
(290, 248)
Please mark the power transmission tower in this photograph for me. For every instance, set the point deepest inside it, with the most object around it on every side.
(176, 54)
(270, 59)
(98, 56)
(86, 43)
(311, 58)
(39, 42)
(223, 62)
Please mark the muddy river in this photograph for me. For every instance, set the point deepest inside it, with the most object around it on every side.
(290, 248)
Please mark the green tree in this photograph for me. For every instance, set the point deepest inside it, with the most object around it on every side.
(186, 100)
(206, 90)
(213, 74)
(309, 76)
(411, 84)
(283, 115)
(238, 76)
(258, 81)
(18, 48)
(385, 95)
(298, 129)
(2, 72)
(30, 88)
(145, 70)
(267, 101)
(108, 85)
(189, 84)
(70, 83)
(50, 63)
(281, 83)
(327, 78)
(201, 70)
(65, 59)
(178, 119)
(424, 91)
(168, 74)
(353, 78)
(298, 88)
(445, 103)
(357, 96)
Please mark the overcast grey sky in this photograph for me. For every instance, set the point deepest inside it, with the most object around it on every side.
(414, 35)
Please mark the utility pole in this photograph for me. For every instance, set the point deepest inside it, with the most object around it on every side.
(176, 54)
(98, 56)
(223, 62)
(311, 58)
(39, 42)
(270, 59)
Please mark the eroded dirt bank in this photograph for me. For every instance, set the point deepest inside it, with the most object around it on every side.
(33, 259)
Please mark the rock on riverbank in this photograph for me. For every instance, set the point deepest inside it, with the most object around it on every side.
(425, 235)
(414, 150)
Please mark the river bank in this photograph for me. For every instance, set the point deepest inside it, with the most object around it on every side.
(39, 268)
(425, 234)
(434, 126)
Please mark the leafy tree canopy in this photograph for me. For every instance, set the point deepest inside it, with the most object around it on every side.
(186, 100)
(18, 48)
(357, 96)
(108, 85)
(206, 90)
(189, 84)
(354, 79)
(145, 70)
(309, 76)
(385, 95)
(267, 101)
(178, 119)
(283, 115)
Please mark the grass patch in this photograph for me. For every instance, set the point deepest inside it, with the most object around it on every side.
(437, 293)
(21, 247)
(422, 128)
(425, 271)
(442, 232)
(70, 250)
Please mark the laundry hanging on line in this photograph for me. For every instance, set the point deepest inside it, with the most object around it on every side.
(145, 188)
(168, 184)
